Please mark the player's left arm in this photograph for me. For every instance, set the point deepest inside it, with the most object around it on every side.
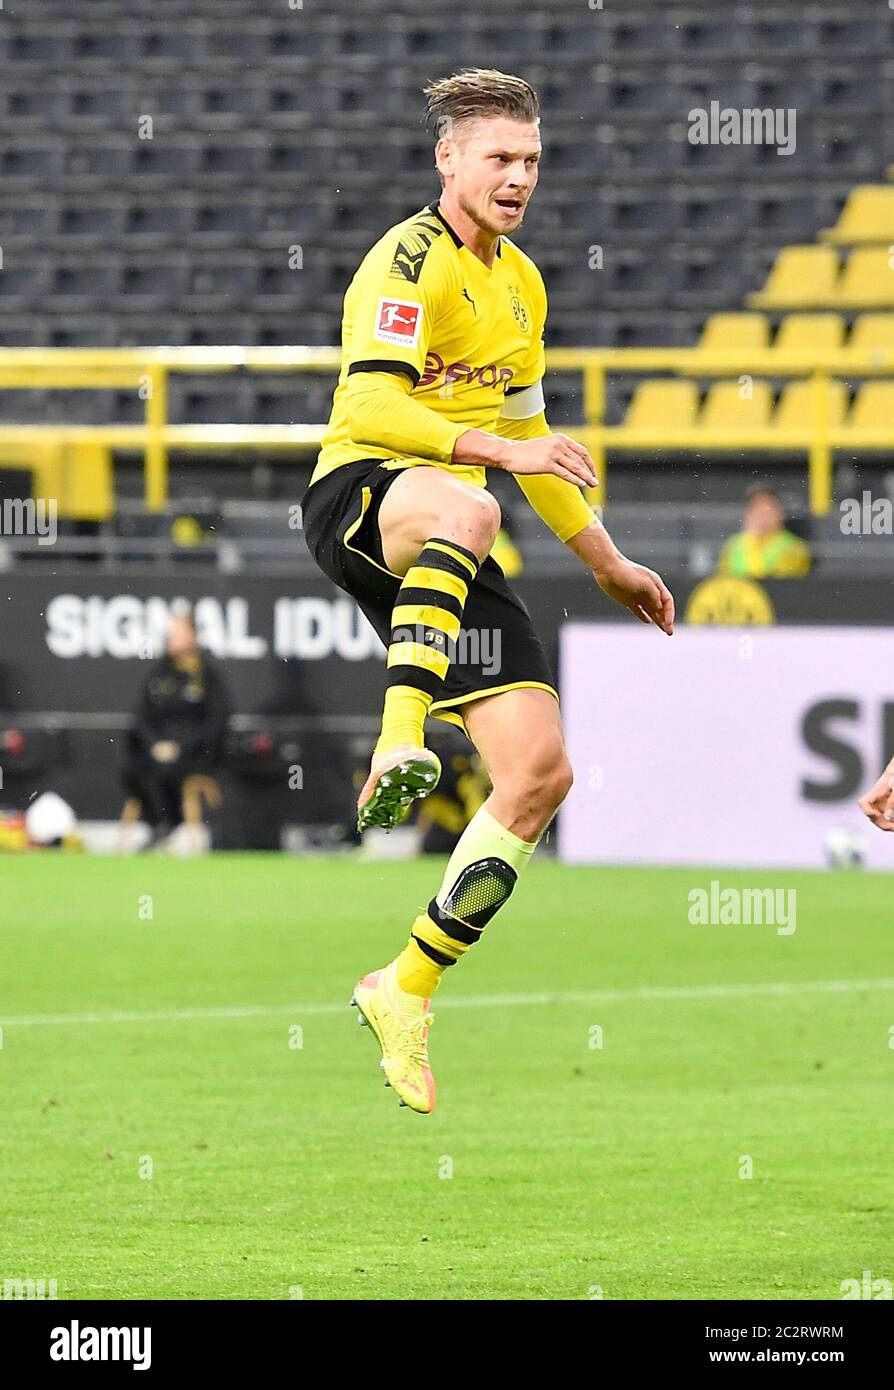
(562, 507)
(878, 803)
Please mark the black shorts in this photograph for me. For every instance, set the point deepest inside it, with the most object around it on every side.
(497, 648)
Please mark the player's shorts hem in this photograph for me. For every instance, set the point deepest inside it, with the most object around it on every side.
(444, 709)
(342, 533)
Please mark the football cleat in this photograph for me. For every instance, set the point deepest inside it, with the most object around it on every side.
(396, 779)
(400, 1022)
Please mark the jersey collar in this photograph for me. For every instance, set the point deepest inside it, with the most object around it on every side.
(435, 209)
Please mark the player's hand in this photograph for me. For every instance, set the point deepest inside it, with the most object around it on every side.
(554, 453)
(639, 589)
(165, 751)
(878, 804)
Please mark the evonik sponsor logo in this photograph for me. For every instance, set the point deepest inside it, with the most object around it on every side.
(455, 372)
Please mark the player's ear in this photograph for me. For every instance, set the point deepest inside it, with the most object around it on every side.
(444, 155)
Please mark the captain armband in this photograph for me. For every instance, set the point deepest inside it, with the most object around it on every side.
(521, 404)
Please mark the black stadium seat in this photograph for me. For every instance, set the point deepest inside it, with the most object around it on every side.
(262, 119)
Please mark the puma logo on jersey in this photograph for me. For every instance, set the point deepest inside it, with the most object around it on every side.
(467, 296)
(407, 267)
(412, 249)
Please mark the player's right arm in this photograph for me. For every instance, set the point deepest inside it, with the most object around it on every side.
(391, 327)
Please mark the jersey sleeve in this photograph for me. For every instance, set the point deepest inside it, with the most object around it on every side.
(558, 503)
(396, 297)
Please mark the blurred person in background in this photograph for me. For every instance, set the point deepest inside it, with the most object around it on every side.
(764, 548)
(463, 789)
(180, 726)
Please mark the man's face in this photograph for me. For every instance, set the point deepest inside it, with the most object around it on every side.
(763, 515)
(491, 166)
(181, 637)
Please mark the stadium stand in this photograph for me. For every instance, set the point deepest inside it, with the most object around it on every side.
(158, 178)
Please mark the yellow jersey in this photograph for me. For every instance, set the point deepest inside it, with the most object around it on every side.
(423, 305)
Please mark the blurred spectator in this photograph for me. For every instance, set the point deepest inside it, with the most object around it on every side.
(764, 549)
(180, 727)
(507, 554)
(463, 787)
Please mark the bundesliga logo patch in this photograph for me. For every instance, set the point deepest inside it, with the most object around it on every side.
(398, 322)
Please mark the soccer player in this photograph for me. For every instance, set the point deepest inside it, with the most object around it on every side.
(441, 380)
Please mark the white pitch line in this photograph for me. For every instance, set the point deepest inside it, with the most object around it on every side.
(473, 1001)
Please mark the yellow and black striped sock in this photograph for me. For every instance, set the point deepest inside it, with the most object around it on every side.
(425, 624)
(479, 877)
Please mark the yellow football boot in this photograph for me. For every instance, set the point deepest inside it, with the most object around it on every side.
(401, 1022)
(396, 779)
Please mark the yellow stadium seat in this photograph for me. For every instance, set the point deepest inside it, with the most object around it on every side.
(727, 408)
(728, 332)
(810, 333)
(867, 280)
(873, 408)
(801, 276)
(663, 405)
(89, 482)
(794, 410)
(871, 332)
(868, 215)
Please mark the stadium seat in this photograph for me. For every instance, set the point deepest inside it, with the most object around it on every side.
(729, 332)
(868, 215)
(873, 406)
(725, 408)
(867, 280)
(810, 333)
(872, 332)
(794, 410)
(92, 219)
(663, 405)
(294, 129)
(801, 275)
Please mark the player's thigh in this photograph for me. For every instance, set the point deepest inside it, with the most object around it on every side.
(425, 501)
(520, 737)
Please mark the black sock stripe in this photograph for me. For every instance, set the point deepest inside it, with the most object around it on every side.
(437, 956)
(437, 560)
(452, 926)
(424, 634)
(419, 677)
(409, 595)
(460, 549)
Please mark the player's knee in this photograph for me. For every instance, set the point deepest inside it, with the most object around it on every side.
(477, 519)
(543, 784)
(558, 781)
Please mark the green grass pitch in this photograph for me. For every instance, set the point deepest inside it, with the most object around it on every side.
(552, 1168)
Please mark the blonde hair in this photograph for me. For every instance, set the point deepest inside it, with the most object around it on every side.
(477, 92)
